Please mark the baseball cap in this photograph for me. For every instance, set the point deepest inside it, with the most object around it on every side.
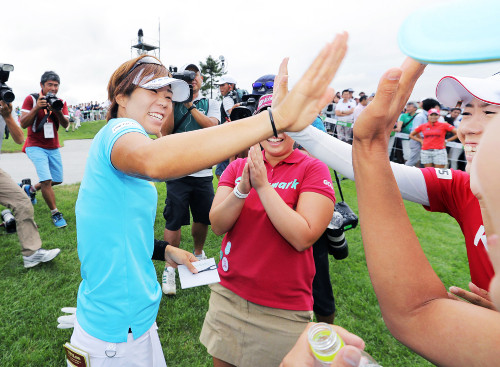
(225, 79)
(263, 85)
(452, 89)
(433, 110)
(350, 90)
(180, 89)
(190, 66)
(264, 102)
(455, 32)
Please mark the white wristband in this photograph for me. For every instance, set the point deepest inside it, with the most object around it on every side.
(238, 194)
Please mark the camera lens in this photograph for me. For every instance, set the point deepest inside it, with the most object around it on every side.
(6, 95)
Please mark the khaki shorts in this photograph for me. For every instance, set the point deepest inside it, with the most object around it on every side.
(246, 334)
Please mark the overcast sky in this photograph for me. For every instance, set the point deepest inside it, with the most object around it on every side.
(84, 42)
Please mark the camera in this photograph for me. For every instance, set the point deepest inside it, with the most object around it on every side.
(186, 75)
(6, 93)
(247, 107)
(337, 243)
(54, 102)
(9, 222)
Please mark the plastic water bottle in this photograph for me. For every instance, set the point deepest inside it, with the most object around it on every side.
(325, 344)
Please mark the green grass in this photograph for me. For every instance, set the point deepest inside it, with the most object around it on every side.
(31, 299)
(86, 131)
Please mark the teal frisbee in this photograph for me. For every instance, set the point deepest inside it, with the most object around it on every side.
(455, 32)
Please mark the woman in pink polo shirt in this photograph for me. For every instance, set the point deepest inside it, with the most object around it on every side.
(272, 206)
(433, 152)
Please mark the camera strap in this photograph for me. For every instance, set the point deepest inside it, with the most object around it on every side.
(338, 185)
(408, 122)
(38, 126)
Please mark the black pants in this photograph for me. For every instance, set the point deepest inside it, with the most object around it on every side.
(324, 302)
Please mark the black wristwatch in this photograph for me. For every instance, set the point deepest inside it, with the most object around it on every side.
(191, 108)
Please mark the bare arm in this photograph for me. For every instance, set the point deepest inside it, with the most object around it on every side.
(226, 207)
(399, 125)
(15, 130)
(413, 301)
(61, 119)
(451, 138)
(27, 118)
(416, 136)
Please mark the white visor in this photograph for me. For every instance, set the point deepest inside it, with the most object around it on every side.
(452, 89)
(180, 89)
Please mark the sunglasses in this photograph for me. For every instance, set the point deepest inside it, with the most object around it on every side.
(258, 85)
(144, 60)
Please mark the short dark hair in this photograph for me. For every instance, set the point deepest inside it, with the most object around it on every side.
(429, 103)
(456, 109)
(345, 90)
(412, 104)
(362, 98)
(50, 75)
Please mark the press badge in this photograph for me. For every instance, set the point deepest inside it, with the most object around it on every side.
(48, 130)
(76, 357)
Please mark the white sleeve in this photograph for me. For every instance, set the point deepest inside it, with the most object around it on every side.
(228, 103)
(338, 156)
(213, 109)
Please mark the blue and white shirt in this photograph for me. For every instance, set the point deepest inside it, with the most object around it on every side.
(115, 216)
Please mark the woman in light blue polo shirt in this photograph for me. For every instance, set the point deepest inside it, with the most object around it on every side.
(119, 294)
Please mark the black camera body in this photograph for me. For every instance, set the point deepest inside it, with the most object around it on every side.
(54, 102)
(186, 75)
(247, 107)
(9, 222)
(6, 93)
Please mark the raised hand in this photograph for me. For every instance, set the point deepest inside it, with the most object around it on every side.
(377, 119)
(258, 172)
(312, 91)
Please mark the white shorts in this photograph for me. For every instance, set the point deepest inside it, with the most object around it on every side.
(435, 156)
(144, 351)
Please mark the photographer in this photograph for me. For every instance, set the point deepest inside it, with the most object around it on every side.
(13, 197)
(227, 88)
(194, 192)
(42, 114)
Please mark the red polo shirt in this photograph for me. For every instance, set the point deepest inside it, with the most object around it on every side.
(434, 134)
(258, 264)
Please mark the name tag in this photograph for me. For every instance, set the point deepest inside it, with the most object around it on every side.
(76, 357)
(48, 130)
(443, 174)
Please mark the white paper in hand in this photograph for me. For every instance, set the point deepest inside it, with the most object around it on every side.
(208, 274)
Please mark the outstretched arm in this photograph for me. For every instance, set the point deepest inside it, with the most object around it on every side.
(338, 156)
(413, 301)
(133, 153)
